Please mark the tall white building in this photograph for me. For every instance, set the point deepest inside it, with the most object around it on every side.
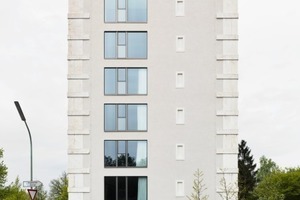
(152, 98)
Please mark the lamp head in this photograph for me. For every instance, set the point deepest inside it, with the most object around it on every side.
(20, 111)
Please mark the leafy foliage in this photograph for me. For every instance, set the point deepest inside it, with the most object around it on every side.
(3, 171)
(15, 192)
(283, 184)
(198, 187)
(267, 166)
(41, 193)
(3, 175)
(247, 173)
(122, 160)
(59, 188)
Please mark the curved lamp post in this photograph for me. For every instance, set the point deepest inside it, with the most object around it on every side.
(24, 119)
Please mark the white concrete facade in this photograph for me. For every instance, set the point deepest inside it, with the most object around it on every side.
(192, 97)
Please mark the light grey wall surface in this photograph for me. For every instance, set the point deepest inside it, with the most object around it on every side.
(205, 129)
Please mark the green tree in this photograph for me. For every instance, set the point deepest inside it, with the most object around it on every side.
(267, 166)
(283, 184)
(247, 173)
(267, 189)
(198, 187)
(3, 175)
(3, 171)
(41, 193)
(59, 188)
(15, 192)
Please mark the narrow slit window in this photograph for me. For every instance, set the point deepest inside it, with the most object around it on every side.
(179, 80)
(179, 152)
(180, 44)
(179, 8)
(180, 116)
(180, 188)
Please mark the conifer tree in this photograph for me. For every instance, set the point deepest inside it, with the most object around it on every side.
(3, 170)
(3, 175)
(247, 173)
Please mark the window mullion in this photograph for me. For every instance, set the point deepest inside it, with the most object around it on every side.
(116, 11)
(126, 187)
(116, 84)
(117, 117)
(117, 189)
(117, 79)
(117, 44)
(117, 150)
(126, 116)
(126, 80)
(126, 44)
(126, 10)
(126, 153)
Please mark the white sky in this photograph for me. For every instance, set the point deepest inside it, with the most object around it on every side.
(269, 86)
(33, 52)
(33, 57)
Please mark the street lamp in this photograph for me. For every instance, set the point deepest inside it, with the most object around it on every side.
(24, 119)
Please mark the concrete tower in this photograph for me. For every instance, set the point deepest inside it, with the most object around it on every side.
(152, 98)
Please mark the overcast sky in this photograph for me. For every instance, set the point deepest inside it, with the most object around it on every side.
(269, 84)
(33, 52)
(33, 58)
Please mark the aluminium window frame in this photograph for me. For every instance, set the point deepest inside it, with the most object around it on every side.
(116, 117)
(126, 153)
(126, 82)
(126, 14)
(126, 185)
(126, 45)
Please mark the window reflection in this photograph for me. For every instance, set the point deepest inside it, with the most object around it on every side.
(110, 81)
(137, 45)
(126, 11)
(130, 81)
(122, 188)
(110, 117)
(110, 11)
(110, 45)
(110, 188)
(137, 10)
(125, 117)
(129, 153)
(130, 44)
(110, 153)
(137, 117)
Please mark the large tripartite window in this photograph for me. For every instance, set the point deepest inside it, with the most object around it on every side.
(125, 117)
(125, 81)
(125, 188)
(125, 11)
(125, 45)
(125, 153)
